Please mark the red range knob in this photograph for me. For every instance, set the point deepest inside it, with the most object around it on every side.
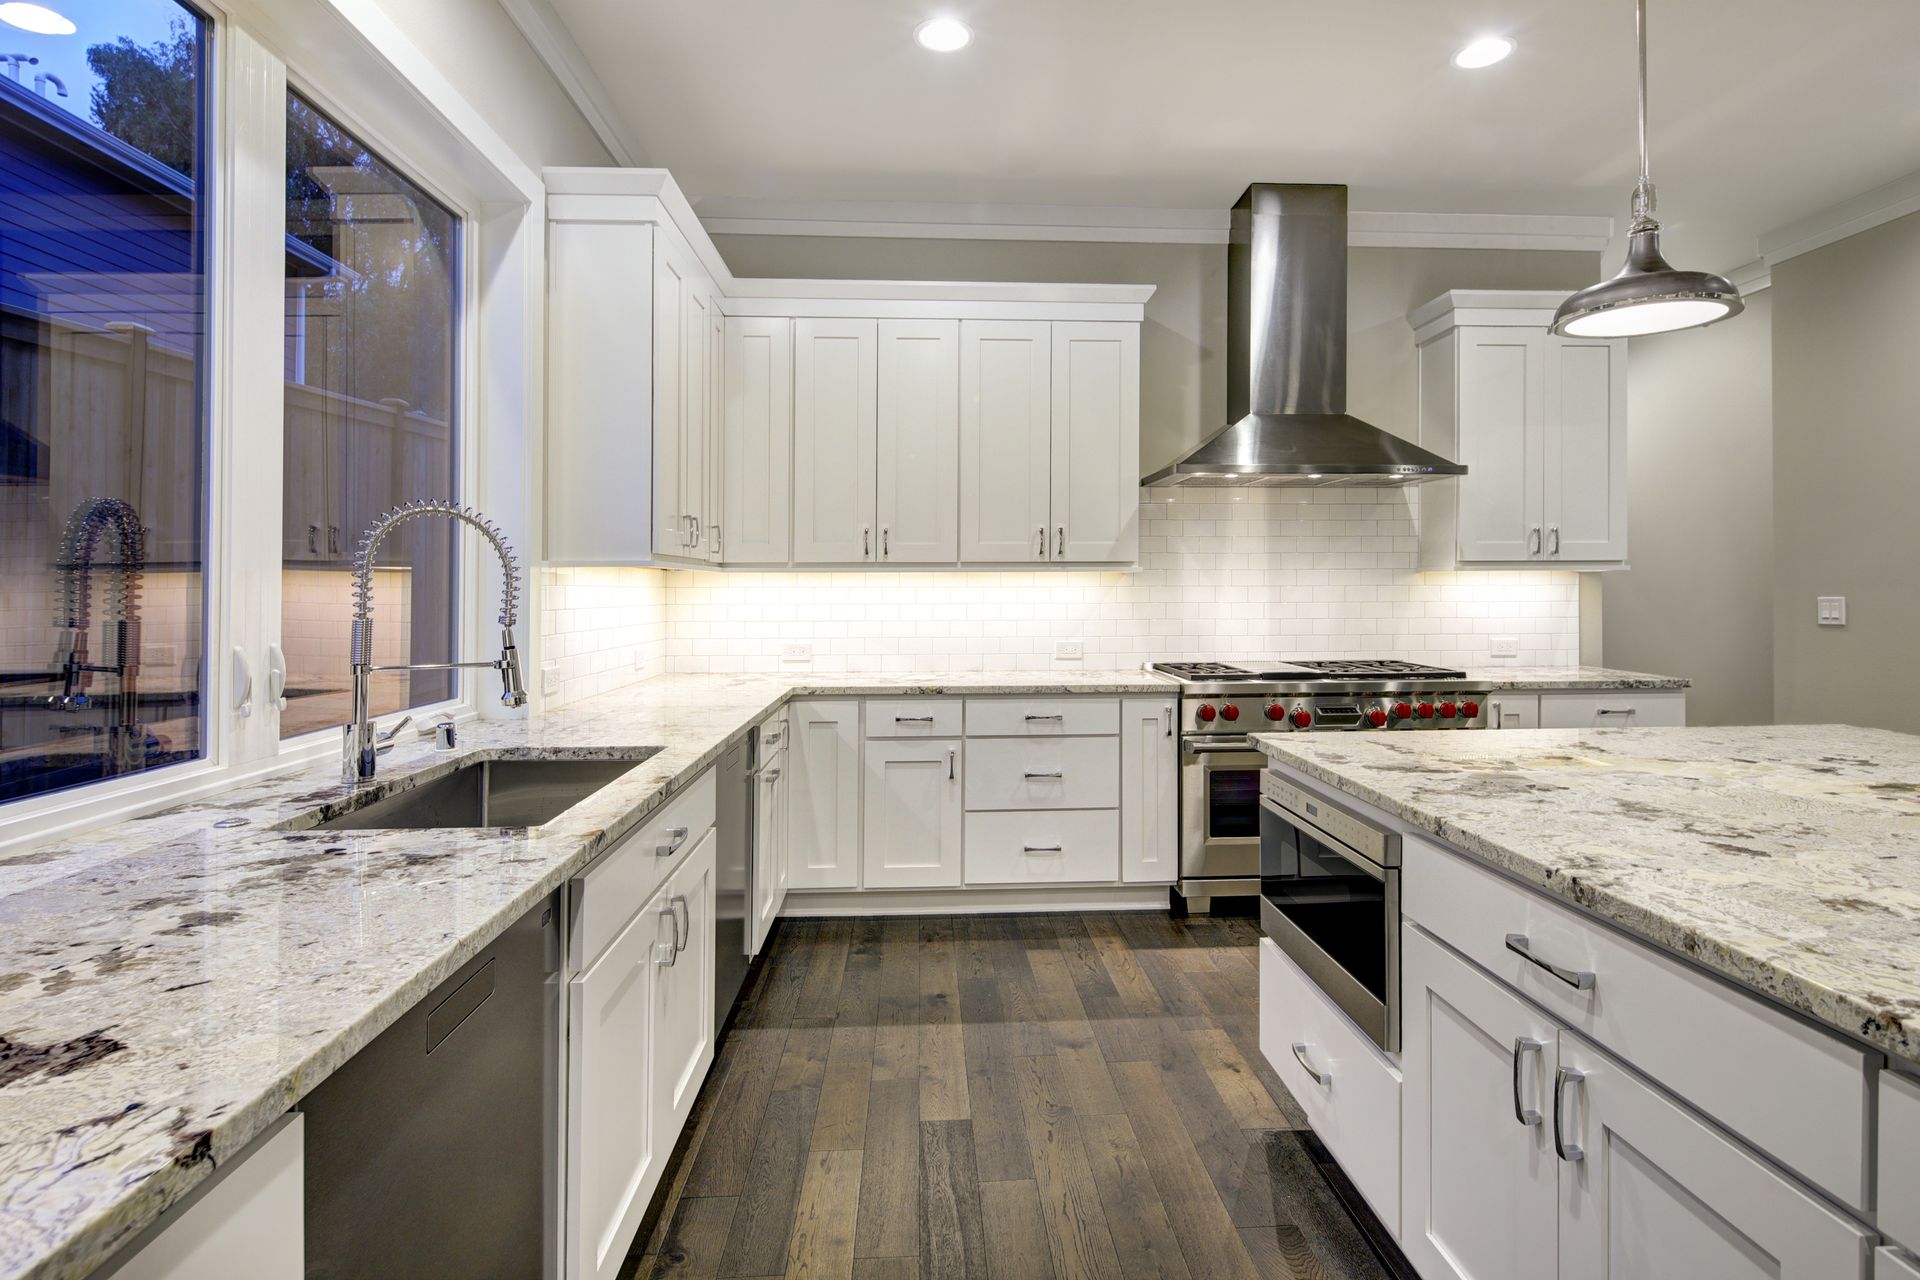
(1229, 712)
(1426, 710)
(1303, 717)
(1206, 711)
(1276, 712)
(1403, 710)
(1447, 709)
(1377, 718)
(1470, 709)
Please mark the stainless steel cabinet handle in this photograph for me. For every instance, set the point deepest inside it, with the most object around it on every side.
(1322, 1078)
(681, 937)
(1041, 848)
(676, 836)
(1206, 746)
(866, 541)
(1578, 979)
(1060, 543)
(667, 954)
(313, 539)
(913, 719)
(771, 775)
(1493, 714)
(886, 542)
(333, 539)
(1040, 553)
(951, 753)
(686, 531)
(696, 529)
(1553, 540)
(1533, 541)
(1617, 711)
(713, 532)
(1567, 1151)
(1167, 711)
(1054, 774)
(1522, 1046)
(1055, 716)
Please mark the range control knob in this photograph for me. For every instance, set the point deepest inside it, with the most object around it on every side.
(1470, 709)
(1302, 718)
(1276, 712)
(1206, 711)
(1229, 712)
(1446, 710)
(1377, 718)
(1403, 711)
(1426, 710)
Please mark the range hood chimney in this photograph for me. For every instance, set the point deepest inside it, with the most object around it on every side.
(1287, 358)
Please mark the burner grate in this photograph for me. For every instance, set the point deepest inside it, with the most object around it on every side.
(1366, 669)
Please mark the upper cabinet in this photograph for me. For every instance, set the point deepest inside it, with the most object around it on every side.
(1540, 422)
(698, 419)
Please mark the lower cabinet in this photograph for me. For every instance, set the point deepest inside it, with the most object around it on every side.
(912, 814)
(771, 870)
(245, 1222)
(682, 1012)
(823, 795)
(1149, 791)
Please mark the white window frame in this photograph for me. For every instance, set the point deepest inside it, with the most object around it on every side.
(357, 66)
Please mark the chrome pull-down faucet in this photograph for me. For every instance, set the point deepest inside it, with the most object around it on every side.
(363, 745)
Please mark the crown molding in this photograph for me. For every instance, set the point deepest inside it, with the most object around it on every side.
(554, 45)
(1848, 218)
(1751, 277)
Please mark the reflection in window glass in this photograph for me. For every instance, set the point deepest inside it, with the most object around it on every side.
(103, 424)
(373, 266)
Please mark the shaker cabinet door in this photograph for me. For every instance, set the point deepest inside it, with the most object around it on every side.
(1006, 449)
(835, 402)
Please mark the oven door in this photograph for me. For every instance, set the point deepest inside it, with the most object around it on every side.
(1336, 913)
(1220, 808)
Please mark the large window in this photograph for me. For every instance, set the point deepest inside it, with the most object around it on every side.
(373, 271)
(103, 421)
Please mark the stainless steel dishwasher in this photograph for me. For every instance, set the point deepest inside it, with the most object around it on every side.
(434, 1152)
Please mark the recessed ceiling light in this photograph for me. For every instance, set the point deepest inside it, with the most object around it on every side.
(943, 35)
(1483, 52)
(36, 18)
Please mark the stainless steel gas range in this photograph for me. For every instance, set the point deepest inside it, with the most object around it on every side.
(1220, 704)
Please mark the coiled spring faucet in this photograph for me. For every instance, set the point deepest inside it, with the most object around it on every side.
(364, 745)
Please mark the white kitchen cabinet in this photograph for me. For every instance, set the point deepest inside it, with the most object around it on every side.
(245, 1222)
(1149, 792)
(771, 819)
(716, 429)
(912, 814)
(1898, 1160)
(1540, 423)
(1043, 773)
(1891, 1263)
(835, 440)
(757, 453)
(917, 449)
(1479, 1182)
(823, 795)
(682, 987)
(1096, 441)
(1657, 1191)
(674, 284)
(1613, 709)
(1006, 442)
(1510, 709)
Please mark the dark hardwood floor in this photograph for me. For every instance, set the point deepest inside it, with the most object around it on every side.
(1001, 1097)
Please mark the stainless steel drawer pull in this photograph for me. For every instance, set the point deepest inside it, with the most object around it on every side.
(913, 719)
(1053, 774)
(1578, 979)
(1041, 848)
(952, 755)
(676, 836)
(1617, 711)
(1322, 1078)
(1522, 1046)
(1567, 1151)
(1055, 716)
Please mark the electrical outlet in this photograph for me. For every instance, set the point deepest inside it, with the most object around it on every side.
(550, 678)
(1831, 611)
(1069, 650)
(1503, 647)
(796, 651)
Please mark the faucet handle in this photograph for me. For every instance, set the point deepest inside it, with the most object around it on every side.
(383, 742)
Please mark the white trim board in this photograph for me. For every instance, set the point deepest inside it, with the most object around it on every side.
(803, 903)
(555, 47)
(1850, 217)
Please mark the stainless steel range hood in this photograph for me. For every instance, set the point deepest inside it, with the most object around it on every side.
(1287, 358)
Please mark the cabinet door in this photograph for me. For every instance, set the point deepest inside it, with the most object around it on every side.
(769, 847)
(910, 837)
(716, 428)
(672, 282)
(1096, 441)
(1586, 449)
(1502, 400)
(1480, 1188)
(757, 453)
(682, 995)
(835, 401)
(1006, 449)
(612, 1154)
(918, 444)
(823, 796)
(696, 353)
(1657, 1191)
(1149, 792)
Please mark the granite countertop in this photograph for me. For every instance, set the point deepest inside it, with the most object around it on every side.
(1785, 858)
(1560, 678)
(170, 985)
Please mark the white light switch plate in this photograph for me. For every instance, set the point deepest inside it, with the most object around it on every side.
(1503, 646)
(1069, 650)
(1832, 611)
(550, 678)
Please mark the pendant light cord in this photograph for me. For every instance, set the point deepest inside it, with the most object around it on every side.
(1643, 191)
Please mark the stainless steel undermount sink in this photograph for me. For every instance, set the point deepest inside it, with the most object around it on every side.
(480, 793)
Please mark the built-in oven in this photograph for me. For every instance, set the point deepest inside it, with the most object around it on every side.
(1219, 816)
(1330, 899)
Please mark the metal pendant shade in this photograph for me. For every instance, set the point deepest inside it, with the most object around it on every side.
(1649, 295)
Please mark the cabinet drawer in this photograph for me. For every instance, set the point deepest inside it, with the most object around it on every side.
(1041, 717)
(913, 717)
(1074, 846)
(605, 895)
(1633, 709)
(1900, 1158)
(1355, 1105)
(1070, 773)
(1894, 1264)
(1727, 1053)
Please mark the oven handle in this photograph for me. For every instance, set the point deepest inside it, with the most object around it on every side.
(1210, 746)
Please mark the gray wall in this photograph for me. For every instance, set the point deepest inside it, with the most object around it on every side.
(1698, 599)
(1183, 371)
(1846, 415)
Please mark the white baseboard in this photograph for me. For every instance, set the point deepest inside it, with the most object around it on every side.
(972, 902)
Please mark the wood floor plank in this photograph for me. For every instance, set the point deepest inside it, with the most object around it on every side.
(999, 1123)
(889, 1222)
(1019, 1000)
(896, 1034)
(1282, 1252)
(1142, 1236)
(841, 1124)
(1083, 1070)
(1234, 1080)
(1137, 991)
(1077, 1235)
(826, 968)
(1203, 1115)
(821, 1246)
(1303, 1198)
(886, 1269)
(943, 1067)
(1156, 947)
(695, 1238)
(1016, 1232)
(720, 1165)
(803, 1063)
(763, 1219)
(952, 1240)
(1084, 965)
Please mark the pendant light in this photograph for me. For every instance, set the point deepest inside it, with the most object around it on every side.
(1648, 296)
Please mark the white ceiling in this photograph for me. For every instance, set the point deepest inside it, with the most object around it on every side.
(1764, 111)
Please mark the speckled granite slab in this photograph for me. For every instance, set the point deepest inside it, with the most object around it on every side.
(1563, 678)
(1786, 858)
(170, 985)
